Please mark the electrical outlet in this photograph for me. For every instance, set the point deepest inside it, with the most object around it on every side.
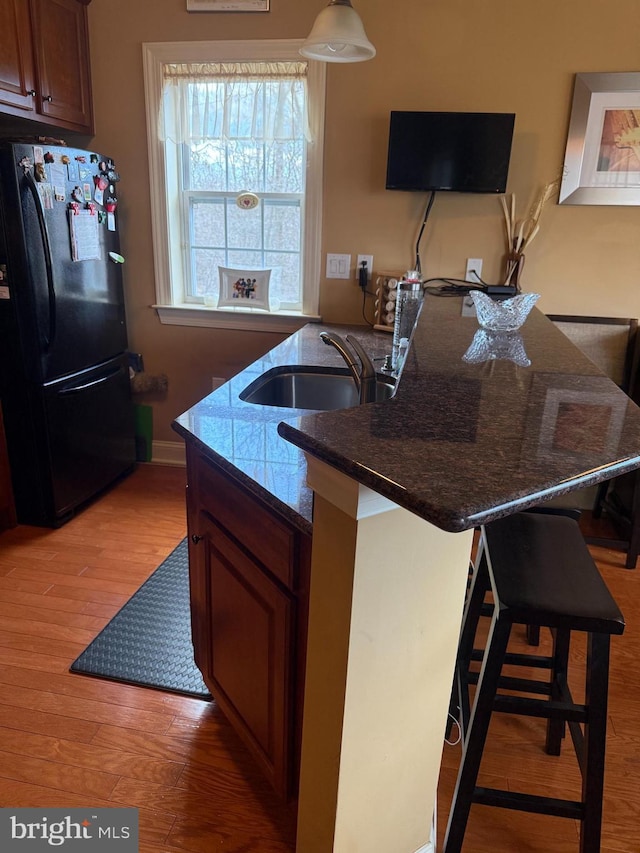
(474, 270)
(369, 261)
(338, 266)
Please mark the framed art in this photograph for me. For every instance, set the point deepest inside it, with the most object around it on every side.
(245, 289)
(602, 159)
(227, 5)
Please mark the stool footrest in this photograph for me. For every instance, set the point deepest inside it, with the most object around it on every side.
(525, 685)
(519, 659)
(534, 661)
(528, 803)
(507, 682)
(550, 710)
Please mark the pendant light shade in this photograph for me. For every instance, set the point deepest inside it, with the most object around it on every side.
(338, 36)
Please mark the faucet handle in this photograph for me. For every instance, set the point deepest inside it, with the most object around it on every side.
(333, 340)
(367, 370)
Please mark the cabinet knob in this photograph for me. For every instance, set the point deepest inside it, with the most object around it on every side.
(32, 92)
(47, 98)
(195, 538)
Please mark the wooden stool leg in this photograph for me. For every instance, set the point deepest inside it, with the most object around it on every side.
(592, 766)
(479, 586)
(476, 735)
(556, 727)
(600, 496)
(533, 635)
(455, 702)
(633, 548)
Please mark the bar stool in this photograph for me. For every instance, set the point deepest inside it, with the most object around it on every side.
(475, 606)
(540, 572)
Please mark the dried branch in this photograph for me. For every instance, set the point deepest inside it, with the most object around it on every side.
(521, 234)
(507, 222)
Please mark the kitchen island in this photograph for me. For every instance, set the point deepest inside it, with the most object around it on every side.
(398, 488)
(250, 524)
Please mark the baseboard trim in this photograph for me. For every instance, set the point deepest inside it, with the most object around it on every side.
(168, 453)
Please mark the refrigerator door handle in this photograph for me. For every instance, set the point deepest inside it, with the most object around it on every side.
(46, 245)
(77, 389)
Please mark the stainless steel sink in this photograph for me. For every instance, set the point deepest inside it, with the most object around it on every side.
(310, 388)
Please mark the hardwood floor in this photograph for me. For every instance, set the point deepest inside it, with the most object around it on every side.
(70, 740)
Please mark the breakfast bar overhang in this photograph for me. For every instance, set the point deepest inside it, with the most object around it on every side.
(399, 487)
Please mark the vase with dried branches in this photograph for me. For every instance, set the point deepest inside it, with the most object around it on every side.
(520, 234)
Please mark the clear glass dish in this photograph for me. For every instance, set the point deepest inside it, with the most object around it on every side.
(503, 315)
(493, 346)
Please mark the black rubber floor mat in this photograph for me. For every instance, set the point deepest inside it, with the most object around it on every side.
(148, 641)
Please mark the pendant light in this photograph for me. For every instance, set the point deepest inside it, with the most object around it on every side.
(338, 36)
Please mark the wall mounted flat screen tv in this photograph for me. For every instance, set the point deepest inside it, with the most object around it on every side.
(455, 152)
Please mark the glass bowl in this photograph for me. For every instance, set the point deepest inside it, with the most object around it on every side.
(503, 315)
(493, 346)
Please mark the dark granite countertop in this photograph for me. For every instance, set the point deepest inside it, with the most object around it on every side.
(242, 438)
(459, 444)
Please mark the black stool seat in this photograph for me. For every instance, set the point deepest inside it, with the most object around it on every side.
(545, 575)
(541, 573)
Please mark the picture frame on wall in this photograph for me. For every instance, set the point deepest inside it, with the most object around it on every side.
(245, 289)
(227, 5)
(602, 159)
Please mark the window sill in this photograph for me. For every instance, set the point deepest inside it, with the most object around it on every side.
(231, 318)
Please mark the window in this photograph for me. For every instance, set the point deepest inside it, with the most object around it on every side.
(226, 129)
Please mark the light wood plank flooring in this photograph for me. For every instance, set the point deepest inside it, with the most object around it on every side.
(70, 740)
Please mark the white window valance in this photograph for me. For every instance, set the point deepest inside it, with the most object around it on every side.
(263, 101)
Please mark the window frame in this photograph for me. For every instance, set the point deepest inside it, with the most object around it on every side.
(190, 199)
(170, 302)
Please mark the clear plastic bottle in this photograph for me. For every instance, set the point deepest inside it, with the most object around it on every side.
(410, 295)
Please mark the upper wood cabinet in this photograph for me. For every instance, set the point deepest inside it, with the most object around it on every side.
(17, 72)
(44, 63)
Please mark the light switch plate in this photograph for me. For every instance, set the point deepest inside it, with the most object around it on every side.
(338, 266)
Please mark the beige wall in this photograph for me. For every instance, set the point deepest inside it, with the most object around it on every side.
(491, 55)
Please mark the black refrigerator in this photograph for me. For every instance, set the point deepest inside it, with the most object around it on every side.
(64, 369)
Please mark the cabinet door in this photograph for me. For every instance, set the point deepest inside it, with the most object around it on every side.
(17, 79)
(61, 44)
(199, 588)
(250, 651)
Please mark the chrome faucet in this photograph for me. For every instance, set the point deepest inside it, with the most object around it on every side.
(364, 374)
